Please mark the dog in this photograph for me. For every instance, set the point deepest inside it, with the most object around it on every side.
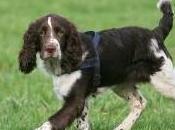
(121, 59)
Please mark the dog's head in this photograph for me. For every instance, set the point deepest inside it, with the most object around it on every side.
(53, 37)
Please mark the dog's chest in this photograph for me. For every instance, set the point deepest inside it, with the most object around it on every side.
(65, 83)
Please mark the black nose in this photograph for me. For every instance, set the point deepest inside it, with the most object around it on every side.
(50, 49)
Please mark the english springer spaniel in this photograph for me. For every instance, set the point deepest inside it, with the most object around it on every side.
(83, 63)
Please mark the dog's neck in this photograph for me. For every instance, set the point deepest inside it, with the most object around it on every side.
(88, 51)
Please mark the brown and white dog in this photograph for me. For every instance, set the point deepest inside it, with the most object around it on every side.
(128, 56)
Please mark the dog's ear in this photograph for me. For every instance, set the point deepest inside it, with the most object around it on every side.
(73, 50)
(27, 55)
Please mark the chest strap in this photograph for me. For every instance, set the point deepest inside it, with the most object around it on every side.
(94, 61)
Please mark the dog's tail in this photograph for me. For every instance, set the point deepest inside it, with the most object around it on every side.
(166, 22)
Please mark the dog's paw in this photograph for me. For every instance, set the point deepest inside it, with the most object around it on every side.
(45, 126)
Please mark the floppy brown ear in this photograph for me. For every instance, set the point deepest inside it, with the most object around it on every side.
(27, 55)
(73, 50)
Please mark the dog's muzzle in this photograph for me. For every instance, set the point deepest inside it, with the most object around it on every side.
(50, 51)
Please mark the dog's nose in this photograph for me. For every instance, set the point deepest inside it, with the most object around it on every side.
(50, 49)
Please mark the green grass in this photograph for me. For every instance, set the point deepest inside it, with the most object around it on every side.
(27, 101)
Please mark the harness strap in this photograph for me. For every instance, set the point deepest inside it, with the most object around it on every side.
(95, 61)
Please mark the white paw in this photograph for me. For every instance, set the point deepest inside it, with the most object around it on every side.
(45, 126)
(121, 127)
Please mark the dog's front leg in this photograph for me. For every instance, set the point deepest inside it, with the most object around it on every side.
(71, 109)
(69, 112)
(74, 102)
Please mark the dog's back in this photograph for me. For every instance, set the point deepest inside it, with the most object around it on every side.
(127, 53)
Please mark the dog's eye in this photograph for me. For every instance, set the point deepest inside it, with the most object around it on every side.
(59, 31)
(60, 34)
(43, 31)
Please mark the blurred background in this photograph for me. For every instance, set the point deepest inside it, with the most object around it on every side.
(28, 100)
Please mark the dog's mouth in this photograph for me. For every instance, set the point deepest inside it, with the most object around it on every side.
(49, 57)
(50, 51)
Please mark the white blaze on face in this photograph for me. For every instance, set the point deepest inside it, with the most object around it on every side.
(50, 25)
(53, 39)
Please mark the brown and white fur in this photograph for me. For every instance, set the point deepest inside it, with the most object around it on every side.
(128, 56)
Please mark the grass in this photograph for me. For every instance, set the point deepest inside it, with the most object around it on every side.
(27, 101)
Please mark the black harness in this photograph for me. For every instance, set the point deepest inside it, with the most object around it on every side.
(95, 61)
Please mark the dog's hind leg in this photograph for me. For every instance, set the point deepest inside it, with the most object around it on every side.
(83, 123)
(164, 80)
(137, 104)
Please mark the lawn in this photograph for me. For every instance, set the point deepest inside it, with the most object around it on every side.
(28, 100)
